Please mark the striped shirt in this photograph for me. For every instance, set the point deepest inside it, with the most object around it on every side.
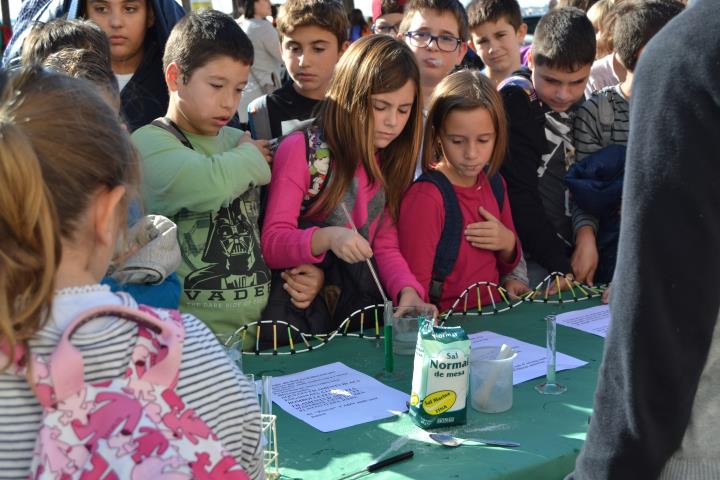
(588, 129)
(208, 382)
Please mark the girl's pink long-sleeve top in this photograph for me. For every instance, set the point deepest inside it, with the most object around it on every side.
(284, 245)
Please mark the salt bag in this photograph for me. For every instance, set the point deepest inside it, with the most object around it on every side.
(440, 376)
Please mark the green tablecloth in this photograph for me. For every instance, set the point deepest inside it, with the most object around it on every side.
(551, 429)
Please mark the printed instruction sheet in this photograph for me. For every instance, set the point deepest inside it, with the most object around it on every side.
(336, 396)
(530, 360)
(595, 320)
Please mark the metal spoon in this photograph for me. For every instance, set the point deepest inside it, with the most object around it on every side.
(450, 441)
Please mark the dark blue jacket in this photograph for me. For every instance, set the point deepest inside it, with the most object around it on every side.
(596, 182)
(145, 97)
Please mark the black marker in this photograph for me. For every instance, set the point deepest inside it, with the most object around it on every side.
(381, 464)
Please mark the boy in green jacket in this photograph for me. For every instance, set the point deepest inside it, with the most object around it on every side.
(205, 175)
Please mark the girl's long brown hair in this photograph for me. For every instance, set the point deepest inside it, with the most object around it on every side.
(464, 90)
(59, 144)
(372, 65)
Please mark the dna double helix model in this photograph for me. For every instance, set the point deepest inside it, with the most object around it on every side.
(556, 288)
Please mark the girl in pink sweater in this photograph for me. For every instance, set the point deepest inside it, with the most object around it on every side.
(465, 141)
(359, 153)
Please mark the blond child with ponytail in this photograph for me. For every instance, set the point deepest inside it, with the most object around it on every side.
(67, 168)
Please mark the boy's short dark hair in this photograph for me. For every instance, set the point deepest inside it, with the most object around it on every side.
(636, 23)
(452, 6)
(481, 11)
(47, 38)
(391, 6)
(564, 39)
(201, 37)
(329, 15)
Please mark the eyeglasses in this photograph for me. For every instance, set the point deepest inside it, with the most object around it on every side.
(446, 43)
(385, 29)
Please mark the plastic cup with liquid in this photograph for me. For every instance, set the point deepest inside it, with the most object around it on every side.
(406, 324)
(491, 378)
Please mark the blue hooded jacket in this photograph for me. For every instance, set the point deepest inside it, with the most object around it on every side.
(596, 181)
(145, 97)
(596, 184)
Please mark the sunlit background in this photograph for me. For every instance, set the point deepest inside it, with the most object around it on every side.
(529, 6)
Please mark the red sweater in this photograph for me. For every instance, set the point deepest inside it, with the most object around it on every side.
(422, 216)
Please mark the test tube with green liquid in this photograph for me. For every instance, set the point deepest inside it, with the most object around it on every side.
(387, 333)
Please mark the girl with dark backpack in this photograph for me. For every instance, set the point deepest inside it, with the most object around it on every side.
(455, 222)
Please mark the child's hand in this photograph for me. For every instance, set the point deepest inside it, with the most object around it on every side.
(410, 298)
(491, 235)
(261, 145)
(585, 257)
(606, 295)
(515, 287)
(565, 285)
(349, 246)
(303, 283)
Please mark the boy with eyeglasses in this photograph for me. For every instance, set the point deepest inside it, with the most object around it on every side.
(437, 32)
(387, 15)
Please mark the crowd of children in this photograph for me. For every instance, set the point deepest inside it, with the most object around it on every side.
(388, 151)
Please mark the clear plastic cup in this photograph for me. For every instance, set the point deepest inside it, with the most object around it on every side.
(491, 380)
(406, 326)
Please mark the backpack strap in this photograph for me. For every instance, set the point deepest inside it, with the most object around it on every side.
(498, 190)
(448, 247)
(170, 126)
(259, 119)
(66, 363)
(317, 154)
(606, 117)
